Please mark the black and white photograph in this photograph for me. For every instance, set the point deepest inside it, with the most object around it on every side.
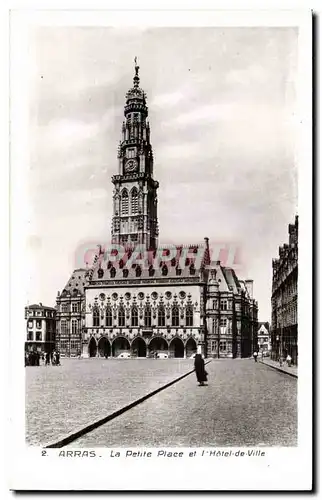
(162, 313)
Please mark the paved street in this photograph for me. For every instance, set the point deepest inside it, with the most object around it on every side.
(62, 399)
(245, 404)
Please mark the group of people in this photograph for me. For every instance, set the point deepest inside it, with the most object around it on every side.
(35, 358)
(287, 358)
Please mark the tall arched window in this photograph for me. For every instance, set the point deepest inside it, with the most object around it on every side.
(121, 316)
(125, 202)
(74, 326)
(134, 316)
(189, 316)
(134, 201)
(113, 272)
(161, 316)
(108, 316)
(147, 316)
(175, 316)
(96, 316)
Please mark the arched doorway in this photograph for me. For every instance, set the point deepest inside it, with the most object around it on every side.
(176, 348)
(104, 347)
(138, 347)
(191, 347)
(92, 348)
(158, 345)
(120, 344)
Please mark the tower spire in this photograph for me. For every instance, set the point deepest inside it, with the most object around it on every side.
(135, 219)
(136, 79)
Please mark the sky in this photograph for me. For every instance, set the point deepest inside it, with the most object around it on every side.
(222, 114)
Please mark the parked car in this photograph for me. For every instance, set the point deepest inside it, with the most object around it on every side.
(162, 355)
(124, 355)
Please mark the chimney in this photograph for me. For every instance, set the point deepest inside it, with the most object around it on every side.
(249, 287)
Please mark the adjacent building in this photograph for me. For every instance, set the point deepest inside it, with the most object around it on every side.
(165, 301)
(70, 316)
(284, 298)
(41, 328)
(263, 337)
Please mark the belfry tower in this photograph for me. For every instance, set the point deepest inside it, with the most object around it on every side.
(135, 219)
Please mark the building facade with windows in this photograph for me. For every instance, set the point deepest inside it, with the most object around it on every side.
(163, 301)
(41, 328)
(70, 315)
(284, 298)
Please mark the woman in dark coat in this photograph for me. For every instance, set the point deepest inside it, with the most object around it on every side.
(201, 373)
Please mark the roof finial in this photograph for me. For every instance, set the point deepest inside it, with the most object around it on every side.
(136, 79)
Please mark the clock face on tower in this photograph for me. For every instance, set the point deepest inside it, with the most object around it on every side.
(131, 166)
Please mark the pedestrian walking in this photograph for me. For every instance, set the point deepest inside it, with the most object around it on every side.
(57, 359)
(47, 362)
(201, 373)
(255, 356)
(288, 360)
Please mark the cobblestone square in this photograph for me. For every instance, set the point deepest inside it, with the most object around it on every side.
(244, 404)
(62, 399)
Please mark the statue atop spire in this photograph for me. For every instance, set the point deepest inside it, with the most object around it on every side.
(136, 79)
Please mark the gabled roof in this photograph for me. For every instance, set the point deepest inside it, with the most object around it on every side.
(263, 323)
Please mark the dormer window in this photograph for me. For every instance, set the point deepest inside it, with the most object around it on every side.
(138, 272)
(192, 270)
(151, 271)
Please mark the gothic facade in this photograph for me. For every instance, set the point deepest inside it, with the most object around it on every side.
(165, 302)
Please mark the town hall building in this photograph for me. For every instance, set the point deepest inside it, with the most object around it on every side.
(156, 301)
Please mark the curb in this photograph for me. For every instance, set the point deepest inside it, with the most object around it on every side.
(85, 430)
(279, 369)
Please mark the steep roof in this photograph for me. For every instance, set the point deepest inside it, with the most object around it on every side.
(77, 281)
(178, 267)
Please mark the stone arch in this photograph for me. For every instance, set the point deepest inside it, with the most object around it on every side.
(104, 347)
(157, 345)
(176, 348)
(119, 345)
(190, 347)
(138, 347)
(92, 348)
